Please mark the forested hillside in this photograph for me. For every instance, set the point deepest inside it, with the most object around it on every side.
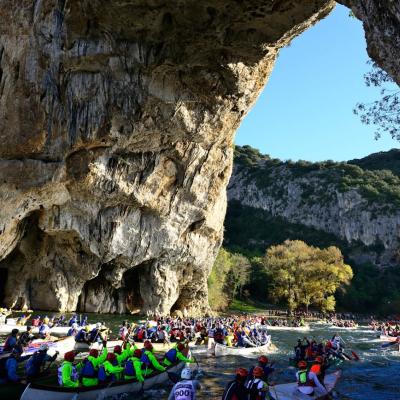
(324, 204)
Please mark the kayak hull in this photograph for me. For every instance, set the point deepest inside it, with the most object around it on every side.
(288, 391)
(55, 331)
(222, 350)
(36, 391)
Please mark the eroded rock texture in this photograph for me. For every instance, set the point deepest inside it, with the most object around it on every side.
(116, 127)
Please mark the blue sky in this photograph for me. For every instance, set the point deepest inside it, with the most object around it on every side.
(306, 109)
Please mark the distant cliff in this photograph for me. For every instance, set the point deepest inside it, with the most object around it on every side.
(323, 203)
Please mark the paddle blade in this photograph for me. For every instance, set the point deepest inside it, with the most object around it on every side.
(355, 355)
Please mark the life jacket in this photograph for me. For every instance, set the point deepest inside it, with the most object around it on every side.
(10, 343)
(254, 387)
(103, 376)
(218, 336)
(140, 334)
(304, 379)
(171, 354)
(33, 365)
(184, 391)
(145, 360)
(74, 375)
(129, 369)
(88, 370)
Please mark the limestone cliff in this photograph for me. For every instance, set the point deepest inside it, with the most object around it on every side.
(360, 208)
(116, 127)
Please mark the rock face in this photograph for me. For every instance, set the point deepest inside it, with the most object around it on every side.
(116, 125)
(381, 21)
(360, 208)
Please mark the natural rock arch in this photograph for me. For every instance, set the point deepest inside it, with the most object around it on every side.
(117, 121)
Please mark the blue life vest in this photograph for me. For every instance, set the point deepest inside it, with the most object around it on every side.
(88, 370)
(33, 365)
(102, 375)
(145, 360)
(129, 369)
(80, 335)
(170, 355)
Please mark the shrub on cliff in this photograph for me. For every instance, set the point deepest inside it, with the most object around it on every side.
(304, 275)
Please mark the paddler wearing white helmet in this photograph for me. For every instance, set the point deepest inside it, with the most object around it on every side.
(186, 388)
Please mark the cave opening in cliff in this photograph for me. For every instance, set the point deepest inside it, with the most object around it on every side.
(133, 298)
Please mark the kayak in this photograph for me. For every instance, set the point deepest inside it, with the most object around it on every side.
(222, 350)
(288, 328)
(35, 391)
(62, 345)
(288, 391)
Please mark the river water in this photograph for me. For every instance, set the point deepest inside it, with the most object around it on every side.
(375, 377)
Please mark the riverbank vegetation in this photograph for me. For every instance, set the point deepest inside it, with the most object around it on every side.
(293, 275)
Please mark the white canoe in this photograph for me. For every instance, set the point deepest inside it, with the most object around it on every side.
(288, 328)
(43, 392)
(62, 346)
(222, 350)
(288, 391)
(388, 338)
(342, 327)
(55, 331)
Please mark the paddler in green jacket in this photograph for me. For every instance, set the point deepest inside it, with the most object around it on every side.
(149, 360)
(91, 365)
(133, 367)
(113, 372)
(175, 354)
(68, 375)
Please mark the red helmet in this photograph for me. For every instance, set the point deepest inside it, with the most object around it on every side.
(263, 359)
(111, 357)
(319, 359)
(242, 372)
(69, 356)
(302, 364)
(258, 372)
(94, 353)
(148, 345)
(137, 353)
(117, 349)
(180, 346)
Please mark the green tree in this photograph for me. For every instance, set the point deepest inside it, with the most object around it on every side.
(230, 273)
(304, 275)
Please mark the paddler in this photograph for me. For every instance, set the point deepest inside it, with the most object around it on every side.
(44, 330)
(26, 337)
(263, 362)
(257, 388)
(33, 367)
(68, 374)
(236, 389)
(110, 371)
(186, 388)
(91, 365)
(134, 367)
(149, 360)
(175, 354)
(307, 381)
(12, 366)
(83, 335)
(11, 341)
